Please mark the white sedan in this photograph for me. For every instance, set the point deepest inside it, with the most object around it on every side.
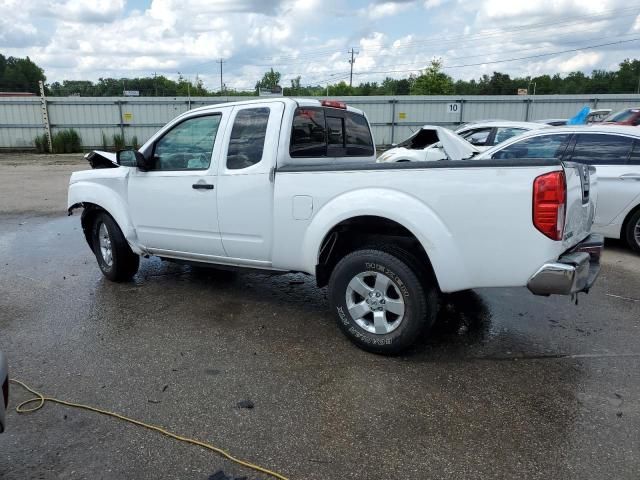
(427, 143)
(615, 153)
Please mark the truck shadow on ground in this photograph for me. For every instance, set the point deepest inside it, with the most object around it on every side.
(463, 318)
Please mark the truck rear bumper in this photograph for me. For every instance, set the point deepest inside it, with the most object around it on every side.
(575, 271)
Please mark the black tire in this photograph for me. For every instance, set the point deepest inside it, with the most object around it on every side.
(632, 231)
(122, 264)
(419, 298)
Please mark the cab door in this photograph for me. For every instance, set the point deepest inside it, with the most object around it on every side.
(246, 174)
(610, 154)
(174, 206)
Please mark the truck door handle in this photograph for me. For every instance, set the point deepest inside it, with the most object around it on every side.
(630, 176)
(202, 186)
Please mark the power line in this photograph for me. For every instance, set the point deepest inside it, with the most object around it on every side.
(476, 39)
(588, 47)
(482, 34)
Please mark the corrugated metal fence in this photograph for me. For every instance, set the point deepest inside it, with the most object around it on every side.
(393, 118)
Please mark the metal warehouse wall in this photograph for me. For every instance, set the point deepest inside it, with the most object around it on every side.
(393, 118)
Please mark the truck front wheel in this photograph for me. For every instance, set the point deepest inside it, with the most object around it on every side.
(380, 302)
(115, 258)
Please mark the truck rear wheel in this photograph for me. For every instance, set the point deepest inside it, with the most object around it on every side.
(632, 231)
(380, 302)
(115, 258)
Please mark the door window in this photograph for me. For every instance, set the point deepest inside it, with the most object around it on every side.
(188, 145)
(543, 146)
(634, 159)
(505, 133)
(477, 136)
(598, 149)
(247, 138)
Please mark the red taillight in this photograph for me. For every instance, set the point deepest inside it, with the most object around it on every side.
(333, 104)
(549, 201)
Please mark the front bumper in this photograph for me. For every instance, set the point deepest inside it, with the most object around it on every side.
(574, 272)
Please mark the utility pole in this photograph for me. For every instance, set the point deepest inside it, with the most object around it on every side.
(45, 115)
(351, 62)
(154, 83)
(221, 84)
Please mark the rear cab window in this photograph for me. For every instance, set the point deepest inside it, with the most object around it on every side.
(324, 132)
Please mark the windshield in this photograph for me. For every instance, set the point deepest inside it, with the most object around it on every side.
(419, 140)
(621, 116)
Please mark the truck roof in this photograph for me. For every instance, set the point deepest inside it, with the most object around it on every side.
(305, 102)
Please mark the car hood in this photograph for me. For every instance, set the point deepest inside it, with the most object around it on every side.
(456, 147)
(452, 145)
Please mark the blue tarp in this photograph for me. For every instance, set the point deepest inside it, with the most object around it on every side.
(580, 118)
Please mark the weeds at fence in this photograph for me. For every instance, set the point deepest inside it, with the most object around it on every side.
(118, 142)
(66, 141)
(42, 143)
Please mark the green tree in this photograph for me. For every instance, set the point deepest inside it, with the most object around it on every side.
(341, 89)
(269, 80)
(20, 75)
(433, 81)
(627, 79)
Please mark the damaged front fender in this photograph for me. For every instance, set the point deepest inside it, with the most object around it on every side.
(101, 159)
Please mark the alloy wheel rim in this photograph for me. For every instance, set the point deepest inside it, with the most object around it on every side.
(105, 245)
(375, 302)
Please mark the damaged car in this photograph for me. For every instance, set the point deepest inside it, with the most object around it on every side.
(439, 143)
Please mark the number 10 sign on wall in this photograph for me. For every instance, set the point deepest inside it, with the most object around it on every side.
(453, 107)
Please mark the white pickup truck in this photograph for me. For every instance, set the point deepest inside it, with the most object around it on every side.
(292, 185)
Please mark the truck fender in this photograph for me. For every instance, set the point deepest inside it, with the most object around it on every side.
(417, 217)
(81, 193)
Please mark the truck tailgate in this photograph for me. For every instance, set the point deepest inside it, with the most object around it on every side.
(582, 195)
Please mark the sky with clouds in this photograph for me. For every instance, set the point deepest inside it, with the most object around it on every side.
(89, 39)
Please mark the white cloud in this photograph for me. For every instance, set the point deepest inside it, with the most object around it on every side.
(94, 11)
(386, 9)
(84, 39)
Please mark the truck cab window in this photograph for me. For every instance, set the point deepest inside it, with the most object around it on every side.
(335, 131)
(359, 140)
(188, 145)
(247, 138)
(308, 133)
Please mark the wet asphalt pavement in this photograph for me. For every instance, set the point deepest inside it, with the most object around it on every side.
(507, 386)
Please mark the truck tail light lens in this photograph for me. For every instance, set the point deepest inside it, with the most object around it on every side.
(549, 204)
(333, 104)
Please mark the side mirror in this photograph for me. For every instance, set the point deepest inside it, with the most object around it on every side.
(133, 158)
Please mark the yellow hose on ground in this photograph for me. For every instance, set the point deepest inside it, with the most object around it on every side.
(41, 400)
